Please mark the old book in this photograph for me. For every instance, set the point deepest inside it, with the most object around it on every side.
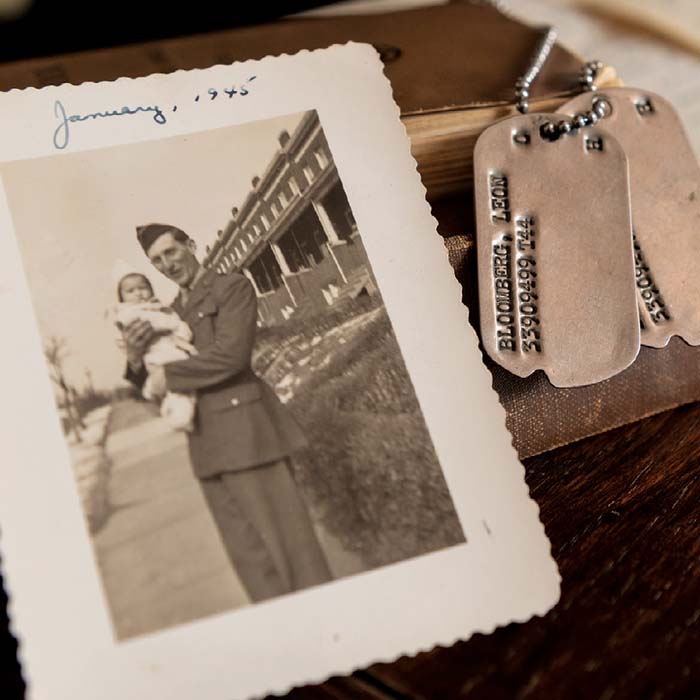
(452, 68)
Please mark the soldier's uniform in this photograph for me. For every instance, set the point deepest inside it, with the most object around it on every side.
(242, 442)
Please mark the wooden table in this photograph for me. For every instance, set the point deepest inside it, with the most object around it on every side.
(621, 511)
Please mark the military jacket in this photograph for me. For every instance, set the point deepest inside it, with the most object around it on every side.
(240, 422)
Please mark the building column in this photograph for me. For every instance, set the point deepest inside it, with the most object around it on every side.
(326, 223)
(250, 277)
(341, 272)
(284, 266)
(331, 235)
(281, 260)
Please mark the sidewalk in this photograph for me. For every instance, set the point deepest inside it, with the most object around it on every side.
(159, 552)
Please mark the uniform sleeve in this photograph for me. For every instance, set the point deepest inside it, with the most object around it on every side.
(232, 349)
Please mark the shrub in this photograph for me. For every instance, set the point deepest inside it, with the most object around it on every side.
(370, 470)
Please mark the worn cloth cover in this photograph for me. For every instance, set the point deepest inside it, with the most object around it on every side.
(437, 58)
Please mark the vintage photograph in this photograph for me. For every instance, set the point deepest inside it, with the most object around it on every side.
(240, 420)
(249, 440)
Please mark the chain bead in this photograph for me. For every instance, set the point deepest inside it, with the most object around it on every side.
(565, 126)
(588, 74)
(601, 107)
(548, 130)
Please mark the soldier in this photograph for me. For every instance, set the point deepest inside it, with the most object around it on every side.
(243, 437)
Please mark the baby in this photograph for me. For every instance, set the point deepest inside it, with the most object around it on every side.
(137, 301)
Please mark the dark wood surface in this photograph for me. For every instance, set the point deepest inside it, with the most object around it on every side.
(621, 511)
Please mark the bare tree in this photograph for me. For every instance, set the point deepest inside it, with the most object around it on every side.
(56, 352)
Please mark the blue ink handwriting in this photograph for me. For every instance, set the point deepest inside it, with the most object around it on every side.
(241, 90)
(61, 135)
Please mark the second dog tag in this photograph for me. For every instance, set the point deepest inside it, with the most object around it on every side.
(554, 251)
(665, 195)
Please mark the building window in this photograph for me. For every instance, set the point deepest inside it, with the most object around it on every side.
(302, 249)
(308, 173)
(265, 222)
(266, 272)
(282, 197)
(293, 186)
(321, 157)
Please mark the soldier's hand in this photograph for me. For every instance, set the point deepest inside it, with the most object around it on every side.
(137, 335)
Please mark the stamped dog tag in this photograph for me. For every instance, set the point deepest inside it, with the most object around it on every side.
(665, 196)
(554, 250)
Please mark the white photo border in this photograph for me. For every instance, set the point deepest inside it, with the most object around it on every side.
(503, 573)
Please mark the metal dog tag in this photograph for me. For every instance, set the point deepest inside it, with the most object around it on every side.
(554, 251)
(665, 195)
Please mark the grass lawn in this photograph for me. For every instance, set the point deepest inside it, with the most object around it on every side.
(370, 471)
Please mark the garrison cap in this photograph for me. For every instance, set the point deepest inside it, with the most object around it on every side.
(148, 234)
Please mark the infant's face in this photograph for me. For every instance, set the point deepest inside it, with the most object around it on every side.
(135, 290)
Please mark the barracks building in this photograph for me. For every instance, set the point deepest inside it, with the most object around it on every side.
(294, 235)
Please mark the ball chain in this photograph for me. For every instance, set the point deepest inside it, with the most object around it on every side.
(523, 84)
(599, 110)
(551, 131)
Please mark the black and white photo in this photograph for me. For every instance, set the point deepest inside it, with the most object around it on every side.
(234, 398)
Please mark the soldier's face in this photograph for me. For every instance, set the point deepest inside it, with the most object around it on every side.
(174, 259)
